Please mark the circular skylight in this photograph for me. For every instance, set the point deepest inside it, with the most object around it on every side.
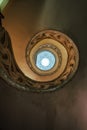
(45, 60)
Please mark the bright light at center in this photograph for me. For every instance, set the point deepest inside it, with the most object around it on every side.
(45, 62)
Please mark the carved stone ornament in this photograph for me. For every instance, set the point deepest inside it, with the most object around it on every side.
(60, 45)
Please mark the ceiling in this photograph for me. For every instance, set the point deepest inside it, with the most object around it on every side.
(66, 108)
